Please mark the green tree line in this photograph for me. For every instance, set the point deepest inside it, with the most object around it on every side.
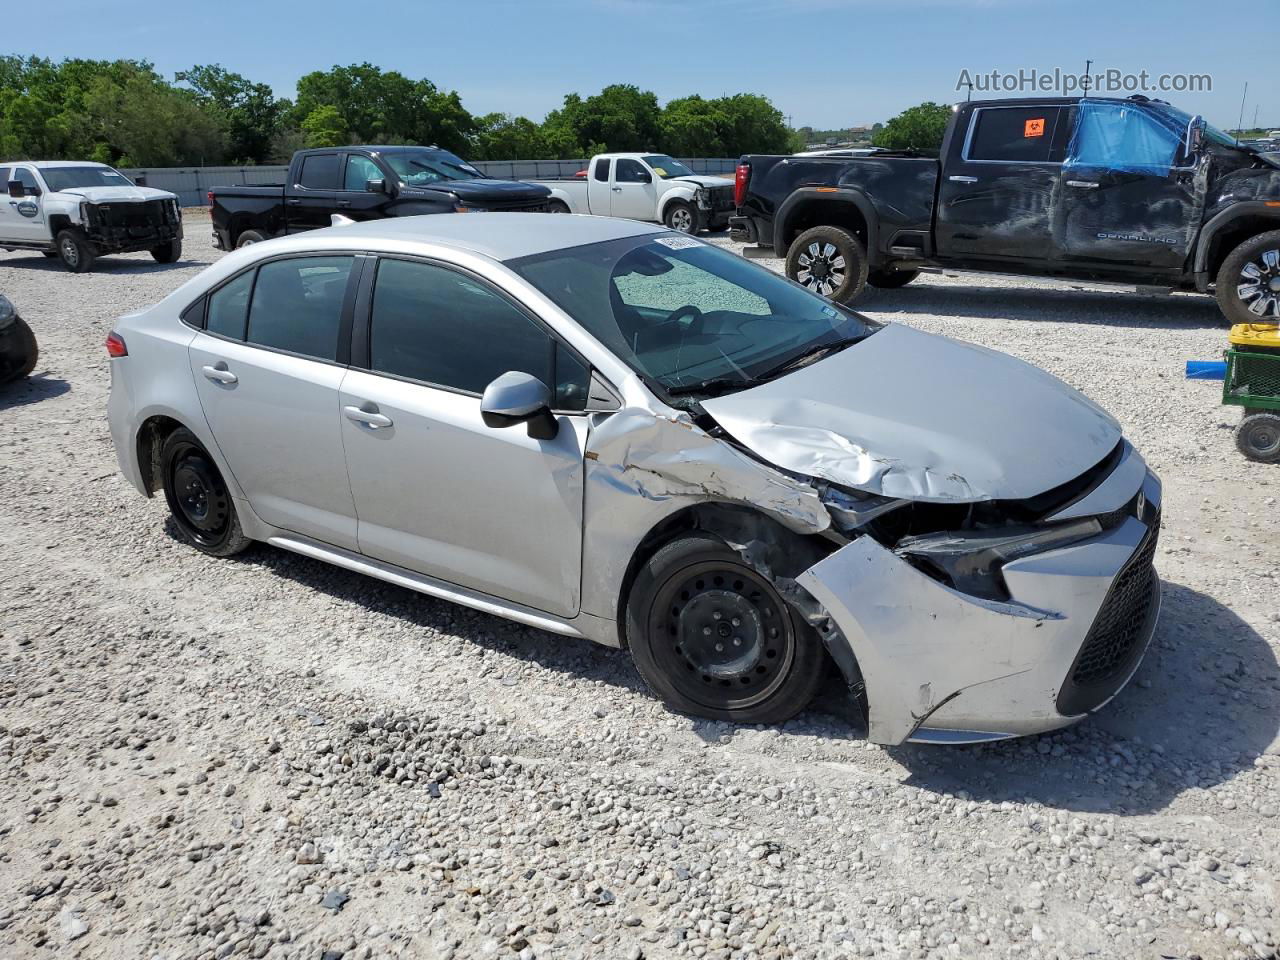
(124, 113)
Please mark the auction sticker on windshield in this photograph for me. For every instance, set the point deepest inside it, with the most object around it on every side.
(678, 243)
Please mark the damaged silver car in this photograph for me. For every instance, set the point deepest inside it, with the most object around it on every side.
(604, 429)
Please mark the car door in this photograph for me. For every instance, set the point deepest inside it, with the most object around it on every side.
(24, 217)
(268, 363)
(311, 202)
(998, 181)
(600, 186)
(355, 200)
(634, 194)
(1122, 202)
(437, 491)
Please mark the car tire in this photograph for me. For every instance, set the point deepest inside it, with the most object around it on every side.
(75, 251)
(250, 237)
(891, 279)
(682, 217)
(169, 252)
(202, 507)
(557, 206)
(1252, 266)
(829, 261)
(1258, 437)
(28, 350)
(696, 594)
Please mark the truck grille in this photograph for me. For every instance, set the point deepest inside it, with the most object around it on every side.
(1114, 642)
(721, 198)
(140, 218)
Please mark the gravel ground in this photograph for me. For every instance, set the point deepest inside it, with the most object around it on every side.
(272, 757)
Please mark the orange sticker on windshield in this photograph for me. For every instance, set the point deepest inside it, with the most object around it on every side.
(1033, 127)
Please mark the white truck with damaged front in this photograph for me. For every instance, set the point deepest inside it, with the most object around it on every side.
(645, 186)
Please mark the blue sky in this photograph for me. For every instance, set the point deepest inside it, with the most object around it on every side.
(825, 63)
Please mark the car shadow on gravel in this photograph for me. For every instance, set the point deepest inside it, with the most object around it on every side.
(1204, 705)
(108, 264)
(1102, 307)
(31, 390)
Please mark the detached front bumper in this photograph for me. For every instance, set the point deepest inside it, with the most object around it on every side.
(942, 666)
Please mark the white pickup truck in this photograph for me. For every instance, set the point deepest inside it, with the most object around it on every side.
(76, 210)
(645, 186)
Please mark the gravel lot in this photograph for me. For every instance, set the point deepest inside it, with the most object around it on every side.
(272, 757)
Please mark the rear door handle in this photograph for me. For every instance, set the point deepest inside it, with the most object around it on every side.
(1084, 184)
(370, 418)
(956, 178)
(295, 200)
(219, 373)
(616, 189)
(344, 203)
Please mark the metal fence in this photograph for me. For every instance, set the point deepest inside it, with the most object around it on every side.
(191, 184)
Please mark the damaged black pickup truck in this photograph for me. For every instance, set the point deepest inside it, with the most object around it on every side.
(1120, 190)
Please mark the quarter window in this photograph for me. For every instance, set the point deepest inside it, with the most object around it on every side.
(320, 171)
(4, 175)
(228, 306)
(438, 326)
(297, 305)
(360, 170)
(601, 172)
(1014, 134)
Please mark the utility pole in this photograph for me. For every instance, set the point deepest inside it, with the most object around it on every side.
(1240, 122)
(1255, 116)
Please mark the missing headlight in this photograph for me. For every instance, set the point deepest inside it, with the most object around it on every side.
(971, 561)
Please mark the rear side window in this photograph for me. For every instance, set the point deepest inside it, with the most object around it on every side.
(297, 305)
(228, 306)
(320, 171)
(4, 174)
(601, 172)
(1014, 134)
(433, 324)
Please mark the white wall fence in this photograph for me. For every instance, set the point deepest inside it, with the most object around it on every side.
(191, 184)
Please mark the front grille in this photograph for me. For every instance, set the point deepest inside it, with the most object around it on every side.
(1114, 642)
(721, 198)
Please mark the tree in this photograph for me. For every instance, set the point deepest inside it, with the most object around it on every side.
(249, 113)
(691, 127)
(621, 116)
(916, 128)
(754, 125)
(500, 136)
(324, 127)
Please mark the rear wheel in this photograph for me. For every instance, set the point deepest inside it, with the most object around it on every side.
(712, 637)
(167, 252)
(198, 497)
(891, 279)
(1248, 282)
(829, 261)
(20, 362)
(75, 251)
(681, 217)
(249, 237)
(1258, 437)
(557, 206)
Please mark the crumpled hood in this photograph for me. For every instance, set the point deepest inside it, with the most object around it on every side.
(118, 194)
(908, 414)
(705, 181)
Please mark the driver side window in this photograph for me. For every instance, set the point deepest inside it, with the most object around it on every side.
(1119, 136)
(631, 171)
(28, 181)
(360, 170)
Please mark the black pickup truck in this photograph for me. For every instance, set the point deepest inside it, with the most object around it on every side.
(1121, 190)
(362, 183)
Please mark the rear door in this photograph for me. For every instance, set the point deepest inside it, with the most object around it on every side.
(634, 193)
(268, 366)
(998, 182)
(600, 186)
(312, 200)
(24, 217)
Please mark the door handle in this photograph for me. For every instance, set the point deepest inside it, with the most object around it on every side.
(956, 178)
(1084, 184)
(370, 418)
(344, 203)
(219, 373)
(616, 189)
(295, 200)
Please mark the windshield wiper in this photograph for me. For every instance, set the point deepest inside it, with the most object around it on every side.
(811, 355)
(712, 385)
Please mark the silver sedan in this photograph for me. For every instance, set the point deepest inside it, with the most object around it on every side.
(604, 429)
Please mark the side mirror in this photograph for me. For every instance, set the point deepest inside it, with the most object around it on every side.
(140, 180)
(375, 186)
(644, 177)
(15, 189)
(1192, 141)
(516, 397)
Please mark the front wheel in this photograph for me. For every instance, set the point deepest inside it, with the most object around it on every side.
(75, 251)
(681, 217)
(1258, 437)
(557, 206)
(829, 261)
(713, 638)
(198, 497)
(1248, 282)
(167, 252)
(891, 279)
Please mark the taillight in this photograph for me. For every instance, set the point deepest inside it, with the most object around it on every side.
(209, 196)
(115, 345)
(740, 184)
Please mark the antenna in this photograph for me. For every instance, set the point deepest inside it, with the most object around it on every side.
(1087, 65)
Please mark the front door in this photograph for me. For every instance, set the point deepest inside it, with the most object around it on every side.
(634, 194)
(436, 490)
(23, 217)
(270, 388)
(355, 200)
(994, 201)
(1122, 202)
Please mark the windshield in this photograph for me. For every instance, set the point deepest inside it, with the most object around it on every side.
(429, 166)
(666, 167)
(689, 317)
(1178, 120)
(68, 178)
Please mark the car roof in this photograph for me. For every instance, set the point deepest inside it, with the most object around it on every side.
(51, 164)
(499, 236)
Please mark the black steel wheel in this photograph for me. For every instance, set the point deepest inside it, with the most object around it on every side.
(198, 497)
(714, 638)
(1248, 282)
(829, 261)
(169, 252)
(1258, 437)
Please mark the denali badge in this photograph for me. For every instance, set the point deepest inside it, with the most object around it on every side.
(1137, 238)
